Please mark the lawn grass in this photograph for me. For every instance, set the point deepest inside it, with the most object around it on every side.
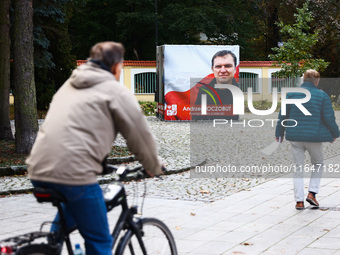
(8, 156)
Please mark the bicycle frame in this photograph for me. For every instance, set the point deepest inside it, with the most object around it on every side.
(125, 219)
(114, 196)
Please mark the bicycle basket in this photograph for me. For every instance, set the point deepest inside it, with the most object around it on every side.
(136, 192)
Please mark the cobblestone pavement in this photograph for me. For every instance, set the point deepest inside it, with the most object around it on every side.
(241, 147)
(258, 220)
(249, 215)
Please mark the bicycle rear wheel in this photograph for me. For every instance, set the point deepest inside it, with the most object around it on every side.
(156, 237)
(38, 249)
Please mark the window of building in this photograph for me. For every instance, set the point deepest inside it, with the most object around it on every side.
(249, 80)
(145, 83)
(289, 82)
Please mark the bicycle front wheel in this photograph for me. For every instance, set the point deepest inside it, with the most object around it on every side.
(156, 237)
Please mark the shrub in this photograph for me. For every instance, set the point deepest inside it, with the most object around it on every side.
(149, 108)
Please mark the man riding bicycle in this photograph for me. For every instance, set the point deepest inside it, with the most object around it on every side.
(83, 120)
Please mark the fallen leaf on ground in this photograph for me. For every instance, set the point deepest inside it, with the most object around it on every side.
(247, 244)
(205, 191)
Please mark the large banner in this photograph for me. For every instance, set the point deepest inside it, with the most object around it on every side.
(188, 74)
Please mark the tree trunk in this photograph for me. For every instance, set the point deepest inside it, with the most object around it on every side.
(26, 125)
(272, 31)
(5, 42)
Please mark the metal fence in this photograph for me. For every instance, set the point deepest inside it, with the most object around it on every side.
(288, 82)
(249, 80)
(145, 83)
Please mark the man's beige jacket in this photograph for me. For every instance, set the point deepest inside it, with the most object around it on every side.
(83, 120)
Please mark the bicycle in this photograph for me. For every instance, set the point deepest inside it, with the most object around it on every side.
(138, 235)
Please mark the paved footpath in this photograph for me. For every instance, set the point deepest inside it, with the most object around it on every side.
(258, 220)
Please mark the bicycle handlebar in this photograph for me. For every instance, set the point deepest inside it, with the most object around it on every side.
(123, 171)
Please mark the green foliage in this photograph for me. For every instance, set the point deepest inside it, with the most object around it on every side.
(149, 108)
(93, 21)
(295, 56)
(53, 61)
(326, 17)
(133, 23)
(225, 24)
(336, 106)
(47, 13)
(137, 18)
(45, 88)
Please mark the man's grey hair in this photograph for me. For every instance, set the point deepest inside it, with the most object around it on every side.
(109, 53)
(312, 76)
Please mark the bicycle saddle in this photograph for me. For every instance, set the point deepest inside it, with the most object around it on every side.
(48, 195)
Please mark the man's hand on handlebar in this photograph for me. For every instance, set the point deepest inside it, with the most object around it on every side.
(161, 173)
